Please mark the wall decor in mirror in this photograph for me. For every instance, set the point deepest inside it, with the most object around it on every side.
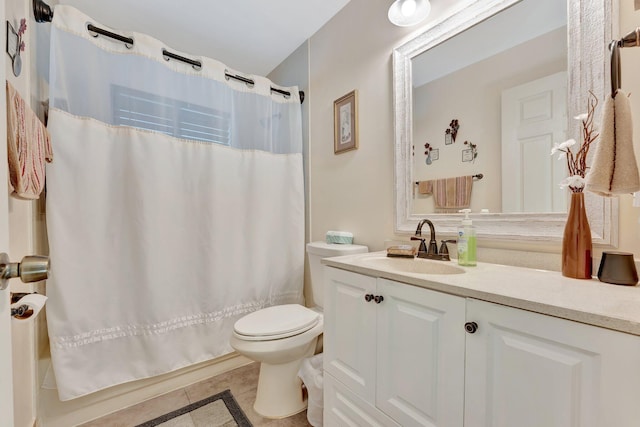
(514, 72)
(15, 45)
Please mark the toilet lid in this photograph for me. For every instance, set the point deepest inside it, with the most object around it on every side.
(279, 321)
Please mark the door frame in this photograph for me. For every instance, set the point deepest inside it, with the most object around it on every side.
(6, 363)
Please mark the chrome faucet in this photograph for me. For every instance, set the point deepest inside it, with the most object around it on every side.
(431, 251)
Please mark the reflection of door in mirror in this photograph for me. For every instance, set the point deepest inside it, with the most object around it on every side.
(464, 78)
(534, 117)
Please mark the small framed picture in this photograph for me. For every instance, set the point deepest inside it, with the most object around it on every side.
(448, 139)
(435, 154)
(12, 41)
(467, 155)
(345, 123)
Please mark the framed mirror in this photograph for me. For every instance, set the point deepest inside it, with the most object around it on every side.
(431, 103)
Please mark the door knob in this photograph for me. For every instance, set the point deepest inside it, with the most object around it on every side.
(368, 297)
(378, 299)
(32, 268)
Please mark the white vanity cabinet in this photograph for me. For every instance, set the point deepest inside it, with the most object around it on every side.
(527, 369)
(418, 357)
(393, 354)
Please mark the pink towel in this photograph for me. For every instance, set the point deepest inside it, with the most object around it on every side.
(450, 194)
(28, 148)
(425, 187)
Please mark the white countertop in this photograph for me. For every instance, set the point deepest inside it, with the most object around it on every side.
(548, 292)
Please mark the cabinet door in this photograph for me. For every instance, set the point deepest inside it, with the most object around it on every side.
(350, 330)
(343, 408)
(421, 339)
(526, 369)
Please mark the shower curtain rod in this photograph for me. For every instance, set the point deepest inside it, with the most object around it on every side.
(43, 13)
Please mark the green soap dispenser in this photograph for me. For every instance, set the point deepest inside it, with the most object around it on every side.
(466, 241)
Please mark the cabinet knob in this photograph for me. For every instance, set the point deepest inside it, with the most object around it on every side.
(368, 297)
(378, 299)
(471, 327)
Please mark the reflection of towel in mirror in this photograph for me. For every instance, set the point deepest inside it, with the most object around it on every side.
(425, 187)
(449, 194)
(614, 169)
(28, 147)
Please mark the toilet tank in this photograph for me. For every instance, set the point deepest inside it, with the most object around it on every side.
(318, 250)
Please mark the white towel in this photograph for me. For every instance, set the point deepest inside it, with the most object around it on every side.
(614, 169)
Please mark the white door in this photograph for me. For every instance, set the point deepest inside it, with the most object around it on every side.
(421, 339)
(529, 370)
(350, 331)
(6, 371)
(534, 117)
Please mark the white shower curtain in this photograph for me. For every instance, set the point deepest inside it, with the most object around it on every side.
(175, 205)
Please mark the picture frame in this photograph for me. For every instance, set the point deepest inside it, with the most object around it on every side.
(435, 154)
(467, 155)
(345, 123)
(448, 139)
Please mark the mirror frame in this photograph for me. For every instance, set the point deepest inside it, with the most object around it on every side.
(590, 26)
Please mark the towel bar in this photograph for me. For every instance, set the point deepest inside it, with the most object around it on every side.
(632, 39)
(476, 177)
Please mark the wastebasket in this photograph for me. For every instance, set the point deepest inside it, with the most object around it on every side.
(311, 375)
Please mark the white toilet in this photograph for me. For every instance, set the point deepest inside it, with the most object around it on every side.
(279, 337)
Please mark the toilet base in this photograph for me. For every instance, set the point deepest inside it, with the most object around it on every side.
(279, 393)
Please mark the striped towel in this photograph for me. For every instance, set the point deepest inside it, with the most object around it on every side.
(28, 148)
(450, 194)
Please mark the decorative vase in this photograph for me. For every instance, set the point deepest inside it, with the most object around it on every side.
(576, 242)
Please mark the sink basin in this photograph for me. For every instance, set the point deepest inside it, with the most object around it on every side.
(413, 265)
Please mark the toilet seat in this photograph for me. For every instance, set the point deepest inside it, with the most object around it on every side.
(277, 322)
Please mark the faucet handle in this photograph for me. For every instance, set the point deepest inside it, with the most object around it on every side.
(423, 245)
(443, 247)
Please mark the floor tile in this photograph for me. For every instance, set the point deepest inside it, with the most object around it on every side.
(238, 381)
(144, 411)
(242, 382)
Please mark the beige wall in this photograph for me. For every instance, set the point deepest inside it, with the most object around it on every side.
(354, 191)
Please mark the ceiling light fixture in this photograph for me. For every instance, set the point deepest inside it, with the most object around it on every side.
(405, 13)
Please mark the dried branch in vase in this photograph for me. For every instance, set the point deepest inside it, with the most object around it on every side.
(577, 162)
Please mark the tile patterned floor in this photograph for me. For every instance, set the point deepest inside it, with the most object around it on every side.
(242, 382)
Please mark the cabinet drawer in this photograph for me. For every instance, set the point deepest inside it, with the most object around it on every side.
(344, 408)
